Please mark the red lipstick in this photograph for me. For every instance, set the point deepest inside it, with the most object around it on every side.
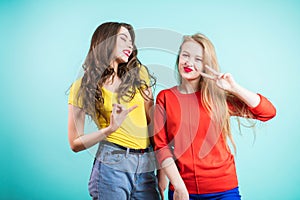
(127, 53)
(187, 69)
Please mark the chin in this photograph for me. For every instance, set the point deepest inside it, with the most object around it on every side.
(189, 78)
(122, 60)
(185, 76)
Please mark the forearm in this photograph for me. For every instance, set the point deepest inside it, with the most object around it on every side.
(250, 98)
(85, 141)
(171, 171)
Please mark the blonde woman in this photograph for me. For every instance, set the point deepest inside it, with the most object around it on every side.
(192, 125)
(115, 91)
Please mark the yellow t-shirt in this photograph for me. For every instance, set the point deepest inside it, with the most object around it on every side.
(133, 132)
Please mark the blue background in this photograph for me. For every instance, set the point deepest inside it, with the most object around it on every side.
(43, 45)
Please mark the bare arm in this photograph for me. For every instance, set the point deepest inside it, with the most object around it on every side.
(80, 141)
(162, 182)
(248, 97)
(226, 82)
(77, 139)
(170, 169)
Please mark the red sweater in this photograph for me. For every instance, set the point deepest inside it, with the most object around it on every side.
(183, 130)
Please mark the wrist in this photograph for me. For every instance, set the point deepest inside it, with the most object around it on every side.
(235, 89)
(179, 185)
(108, 130)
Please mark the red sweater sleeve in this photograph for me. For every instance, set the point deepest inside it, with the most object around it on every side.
(264, 111)
(161, 142)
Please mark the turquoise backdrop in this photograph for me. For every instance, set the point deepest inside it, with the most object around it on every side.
(43, 44)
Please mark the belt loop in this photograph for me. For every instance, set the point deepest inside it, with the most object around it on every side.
(127, 152)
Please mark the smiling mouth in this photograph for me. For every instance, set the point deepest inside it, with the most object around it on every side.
(127, 53)
(187, 69)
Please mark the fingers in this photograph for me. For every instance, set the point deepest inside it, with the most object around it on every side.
(118, 108)
(224, 76)
(221, 75)
(114, 108)
(227, 75)
(132, 108)
(207, 76)
(212, 70)
(162, 196)
(216, 75)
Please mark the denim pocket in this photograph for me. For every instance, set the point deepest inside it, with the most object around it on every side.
(112, 158)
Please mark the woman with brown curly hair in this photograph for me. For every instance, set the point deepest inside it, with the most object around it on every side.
(115, 91)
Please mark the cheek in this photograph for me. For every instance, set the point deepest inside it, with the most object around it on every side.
(181, 60)
(199, 67)
(180, 67)
(119, 52)
(119, 46)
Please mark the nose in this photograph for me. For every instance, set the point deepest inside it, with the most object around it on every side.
(188, 63)
(130, 45)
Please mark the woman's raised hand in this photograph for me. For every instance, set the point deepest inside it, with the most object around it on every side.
(118, 115)
(224, 81)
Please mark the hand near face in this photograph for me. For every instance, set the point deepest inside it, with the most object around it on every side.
(223, 81)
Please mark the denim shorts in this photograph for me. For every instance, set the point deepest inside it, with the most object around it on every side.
(119, 174)
(232, 194)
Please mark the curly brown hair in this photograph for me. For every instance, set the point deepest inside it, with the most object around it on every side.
(97, 70)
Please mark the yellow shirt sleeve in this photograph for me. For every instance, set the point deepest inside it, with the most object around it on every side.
(73, 99)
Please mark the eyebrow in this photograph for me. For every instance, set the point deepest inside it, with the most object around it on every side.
(185, 52)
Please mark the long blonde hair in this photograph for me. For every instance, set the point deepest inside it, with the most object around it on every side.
(214, 99)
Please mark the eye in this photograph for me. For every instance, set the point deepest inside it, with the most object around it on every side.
(123, 38)
(184, 55)
(198, 60)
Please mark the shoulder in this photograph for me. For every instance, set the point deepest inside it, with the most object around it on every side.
(166, 93)
(76, 83)
(75, 87)
(74, 93)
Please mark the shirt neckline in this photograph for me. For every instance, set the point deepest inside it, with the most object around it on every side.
(107, 90)
(175, 88)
